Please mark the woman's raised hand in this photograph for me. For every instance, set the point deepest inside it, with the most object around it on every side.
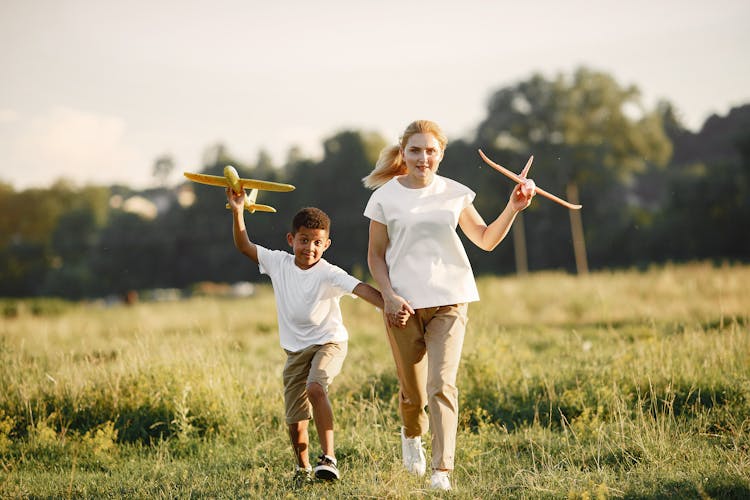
(524, 191)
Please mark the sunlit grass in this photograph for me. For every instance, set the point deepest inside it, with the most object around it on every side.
(619, 384)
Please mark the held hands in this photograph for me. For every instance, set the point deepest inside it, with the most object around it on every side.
(397, 310)
(402, 316)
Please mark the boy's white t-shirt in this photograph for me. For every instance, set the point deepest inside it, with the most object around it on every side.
(307, 300)
(427, 264)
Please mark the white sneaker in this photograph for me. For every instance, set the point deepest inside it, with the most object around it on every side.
(440, 480)
(413, 454)
(327, 468)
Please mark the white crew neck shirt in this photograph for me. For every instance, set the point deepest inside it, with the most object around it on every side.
(427, 264)
(307, 300)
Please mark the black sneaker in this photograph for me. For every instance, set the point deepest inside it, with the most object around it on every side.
(326, 468)
(302, 476)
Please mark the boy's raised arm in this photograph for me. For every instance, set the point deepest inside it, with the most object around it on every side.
(239, 231)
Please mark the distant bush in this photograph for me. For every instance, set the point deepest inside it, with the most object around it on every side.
(13, 308)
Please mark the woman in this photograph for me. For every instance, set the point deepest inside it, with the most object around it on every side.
(421, 267)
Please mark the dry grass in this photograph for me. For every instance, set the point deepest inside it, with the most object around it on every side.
(619, 384)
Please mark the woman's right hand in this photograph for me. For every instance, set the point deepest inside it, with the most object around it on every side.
(397, 310)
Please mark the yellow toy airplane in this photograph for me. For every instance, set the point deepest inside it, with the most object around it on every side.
(232, 180)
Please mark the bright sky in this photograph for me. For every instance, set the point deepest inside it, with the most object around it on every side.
(96, 90)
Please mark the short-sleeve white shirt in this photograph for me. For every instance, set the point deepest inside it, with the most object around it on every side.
(307, 300)
(427, 264)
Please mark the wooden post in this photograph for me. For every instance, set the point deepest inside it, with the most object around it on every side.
(576, 231)
(519, 246)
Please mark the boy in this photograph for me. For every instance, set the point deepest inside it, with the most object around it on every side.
(311, 330)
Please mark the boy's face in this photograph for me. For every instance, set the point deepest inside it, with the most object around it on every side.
(308, 246)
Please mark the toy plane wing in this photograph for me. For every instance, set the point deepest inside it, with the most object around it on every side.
(221, 181)
(233, 181)
(522, 178)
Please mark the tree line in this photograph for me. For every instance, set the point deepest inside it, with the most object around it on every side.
(651, 191)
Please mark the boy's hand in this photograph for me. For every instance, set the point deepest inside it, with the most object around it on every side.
(397, 310)
(401, 318)
(236, 201)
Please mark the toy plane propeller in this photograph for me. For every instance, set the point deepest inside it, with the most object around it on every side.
(232, 180)
(521, 179)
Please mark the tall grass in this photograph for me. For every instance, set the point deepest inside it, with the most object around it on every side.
(620, 384)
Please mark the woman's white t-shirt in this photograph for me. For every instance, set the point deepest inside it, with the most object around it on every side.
(427, 263)
(307, 300)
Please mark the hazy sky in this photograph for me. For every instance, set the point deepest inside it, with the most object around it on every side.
(96, 90)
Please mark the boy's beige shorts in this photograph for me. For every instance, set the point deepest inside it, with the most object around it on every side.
(318, 363)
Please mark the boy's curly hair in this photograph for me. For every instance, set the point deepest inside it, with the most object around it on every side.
(311, 218)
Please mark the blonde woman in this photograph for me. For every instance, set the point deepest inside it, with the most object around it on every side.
(421, 267)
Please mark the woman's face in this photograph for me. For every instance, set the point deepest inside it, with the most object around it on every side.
(422, 155)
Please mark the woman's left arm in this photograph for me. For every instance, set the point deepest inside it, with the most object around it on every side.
(488, 237)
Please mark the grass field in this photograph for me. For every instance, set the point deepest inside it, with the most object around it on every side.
(617, 385)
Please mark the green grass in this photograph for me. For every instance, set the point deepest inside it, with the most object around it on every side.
(616, 385)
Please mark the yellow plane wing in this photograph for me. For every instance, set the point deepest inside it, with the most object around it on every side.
(231, 180)
(218, 180)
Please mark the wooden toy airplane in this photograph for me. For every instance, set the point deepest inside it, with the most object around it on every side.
(231, 179)
(527, 183)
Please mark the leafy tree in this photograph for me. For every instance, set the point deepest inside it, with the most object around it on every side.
(7, 218)
(30, 220)
(335, 185)
(707, 210)
(163, 167)
(196, 241)
(23, 265)
(128, 255)
(83, 213)
(72, 241)
(587, 130)
(264, 168)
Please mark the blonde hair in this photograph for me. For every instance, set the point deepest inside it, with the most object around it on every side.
(391, 162)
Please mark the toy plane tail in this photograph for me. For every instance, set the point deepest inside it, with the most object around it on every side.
(253, 207)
